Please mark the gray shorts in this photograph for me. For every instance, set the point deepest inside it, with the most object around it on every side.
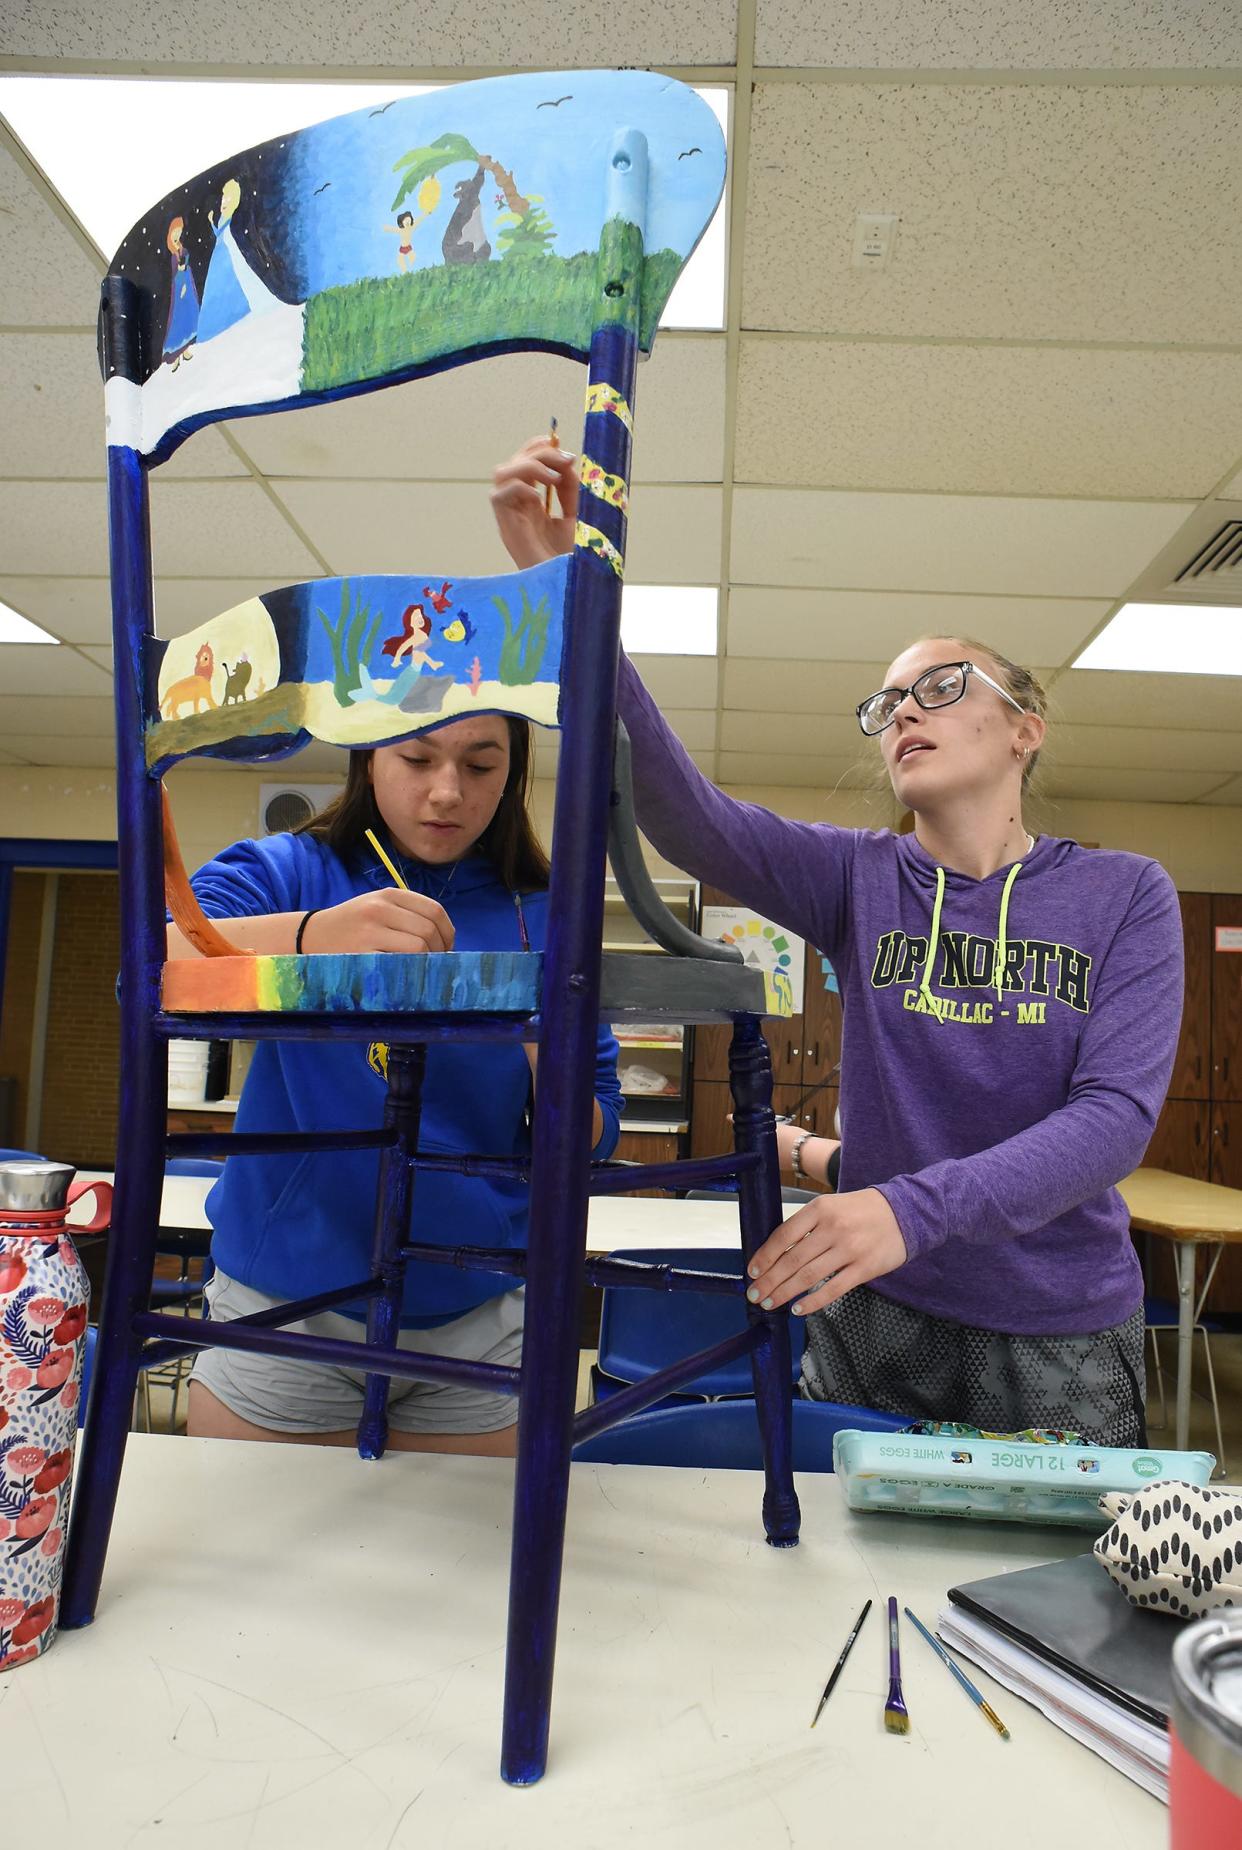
(285, 1396)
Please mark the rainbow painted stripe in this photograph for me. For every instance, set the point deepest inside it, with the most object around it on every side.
(367, 982)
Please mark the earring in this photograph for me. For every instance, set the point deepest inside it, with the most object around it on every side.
(1021, 751)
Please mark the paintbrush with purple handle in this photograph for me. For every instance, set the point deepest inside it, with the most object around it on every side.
(896, 1715)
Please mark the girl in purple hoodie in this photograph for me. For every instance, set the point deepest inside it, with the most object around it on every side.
(1011, 1013)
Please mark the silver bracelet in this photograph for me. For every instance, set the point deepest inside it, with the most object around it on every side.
(795, 1156)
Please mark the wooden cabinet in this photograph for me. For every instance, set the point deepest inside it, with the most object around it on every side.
(1199, 1132)
(648, 1147)
(1182, 1139)
(199, 1122)
(1191, 1076)
(711, 1134)
(1227, 999)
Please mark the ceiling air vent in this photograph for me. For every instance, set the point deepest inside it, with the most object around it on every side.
(287, 806)
(1217, 563)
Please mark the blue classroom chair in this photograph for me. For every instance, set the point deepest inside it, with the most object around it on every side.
(300, 304)
(724, 1435)
(641, 1332)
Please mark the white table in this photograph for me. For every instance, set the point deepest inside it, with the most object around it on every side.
(616, 1223)
(252, 1680)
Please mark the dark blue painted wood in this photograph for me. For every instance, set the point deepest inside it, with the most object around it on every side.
(144, 1057)
(759, 1201)
(407, 1068)
(645, 1393)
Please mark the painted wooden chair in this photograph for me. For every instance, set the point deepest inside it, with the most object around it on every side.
(259, 287)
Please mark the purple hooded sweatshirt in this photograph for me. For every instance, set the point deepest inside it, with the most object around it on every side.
(1007, 1042)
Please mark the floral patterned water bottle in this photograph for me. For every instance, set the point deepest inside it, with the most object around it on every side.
(43, 1302)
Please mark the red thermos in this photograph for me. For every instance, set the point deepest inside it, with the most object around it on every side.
(1205, 1735)
(43, 1302)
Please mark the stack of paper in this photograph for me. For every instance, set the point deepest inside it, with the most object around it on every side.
(1065, 1638)
(1135, 1747)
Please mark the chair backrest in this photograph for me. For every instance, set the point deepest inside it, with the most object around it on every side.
(642, 1331)
(20, 1156)
(526, 212)
(724, 1434)
(193, 1166)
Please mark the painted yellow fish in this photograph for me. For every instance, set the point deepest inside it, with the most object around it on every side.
(455, 632)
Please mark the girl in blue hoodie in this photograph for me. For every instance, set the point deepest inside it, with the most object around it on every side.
(451, 807)
(1011, 1013)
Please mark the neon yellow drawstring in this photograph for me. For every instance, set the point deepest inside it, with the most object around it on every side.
(933, 1002)
(1001, 944)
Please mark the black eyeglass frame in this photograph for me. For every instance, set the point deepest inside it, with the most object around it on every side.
(967, 668)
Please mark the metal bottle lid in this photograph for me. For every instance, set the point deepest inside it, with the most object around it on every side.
(29, 1186)
(1207, 1695)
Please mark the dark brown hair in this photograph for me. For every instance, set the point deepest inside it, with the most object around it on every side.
(509, 840)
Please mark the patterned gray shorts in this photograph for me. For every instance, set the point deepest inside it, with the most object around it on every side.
(868, 1351)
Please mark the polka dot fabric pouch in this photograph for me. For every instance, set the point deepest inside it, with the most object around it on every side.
(1175, 1548)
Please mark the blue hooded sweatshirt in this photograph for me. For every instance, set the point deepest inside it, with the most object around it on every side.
(1007, 1042)
(293, 1226)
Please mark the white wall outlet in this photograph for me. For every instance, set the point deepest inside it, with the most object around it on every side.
(874, 235)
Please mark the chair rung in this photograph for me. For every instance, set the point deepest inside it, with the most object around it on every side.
(617, 1407)
(607, 1179)
(411, 1029)
(339, 1353)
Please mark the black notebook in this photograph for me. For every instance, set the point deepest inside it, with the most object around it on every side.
(1071, 1616)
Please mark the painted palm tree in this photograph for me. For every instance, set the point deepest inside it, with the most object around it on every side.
(527, 232)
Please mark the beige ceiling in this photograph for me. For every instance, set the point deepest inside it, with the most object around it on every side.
(999, 434)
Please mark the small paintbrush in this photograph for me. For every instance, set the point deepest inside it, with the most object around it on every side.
(896, 1715)
(549, 492)
(839, 1666)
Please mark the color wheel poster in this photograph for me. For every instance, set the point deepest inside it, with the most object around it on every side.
(764, 945)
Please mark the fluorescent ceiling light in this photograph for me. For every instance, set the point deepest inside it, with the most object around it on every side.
(156, 135)
(670, 619)
(16, 628)
(1169, 639)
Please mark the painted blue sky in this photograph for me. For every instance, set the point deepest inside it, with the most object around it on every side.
(340, 180)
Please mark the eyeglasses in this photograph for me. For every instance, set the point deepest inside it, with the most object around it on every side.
(935, 687)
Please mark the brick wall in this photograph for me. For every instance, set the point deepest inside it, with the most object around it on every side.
(80, 1081)
(20, 970)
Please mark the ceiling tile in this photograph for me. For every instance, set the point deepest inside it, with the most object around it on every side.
(1229, 793)
(459, 425)
(812, 734)
(1098, 423)
(53, 526)
(547, 34)
(817, 687)
(389, 526)
(10, 758)
(181, 604)
(52, 414)
(225, 527)
(42, 668)
(1096, 697)
(53, 748)
(1075, 549)
(46, 278)
(999, 190)
(75, 609)
(1126, 785)
(996, 35)
(677, 682)
(78, 716)
(810, 770)
(839, 625)
(1232, 491)
(1136, 747)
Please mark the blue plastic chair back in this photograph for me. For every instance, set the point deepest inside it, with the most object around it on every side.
(641, 1332)
(725, 1435)
(193, 1166)
(20, 1156)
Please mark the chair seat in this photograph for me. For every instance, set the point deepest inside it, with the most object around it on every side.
(647, 988)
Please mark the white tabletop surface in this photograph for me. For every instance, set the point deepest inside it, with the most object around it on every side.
(615, 1222)
(294, 1648)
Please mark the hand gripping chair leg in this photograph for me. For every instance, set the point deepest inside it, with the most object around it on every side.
(402, 1110)
(759, 1202)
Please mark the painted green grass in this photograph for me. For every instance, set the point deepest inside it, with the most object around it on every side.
(369, 329)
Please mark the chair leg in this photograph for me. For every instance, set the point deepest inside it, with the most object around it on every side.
(1155, 1354)
(1221, 1470)
(402, 1109)
(127, 1290)
(759, 1202)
